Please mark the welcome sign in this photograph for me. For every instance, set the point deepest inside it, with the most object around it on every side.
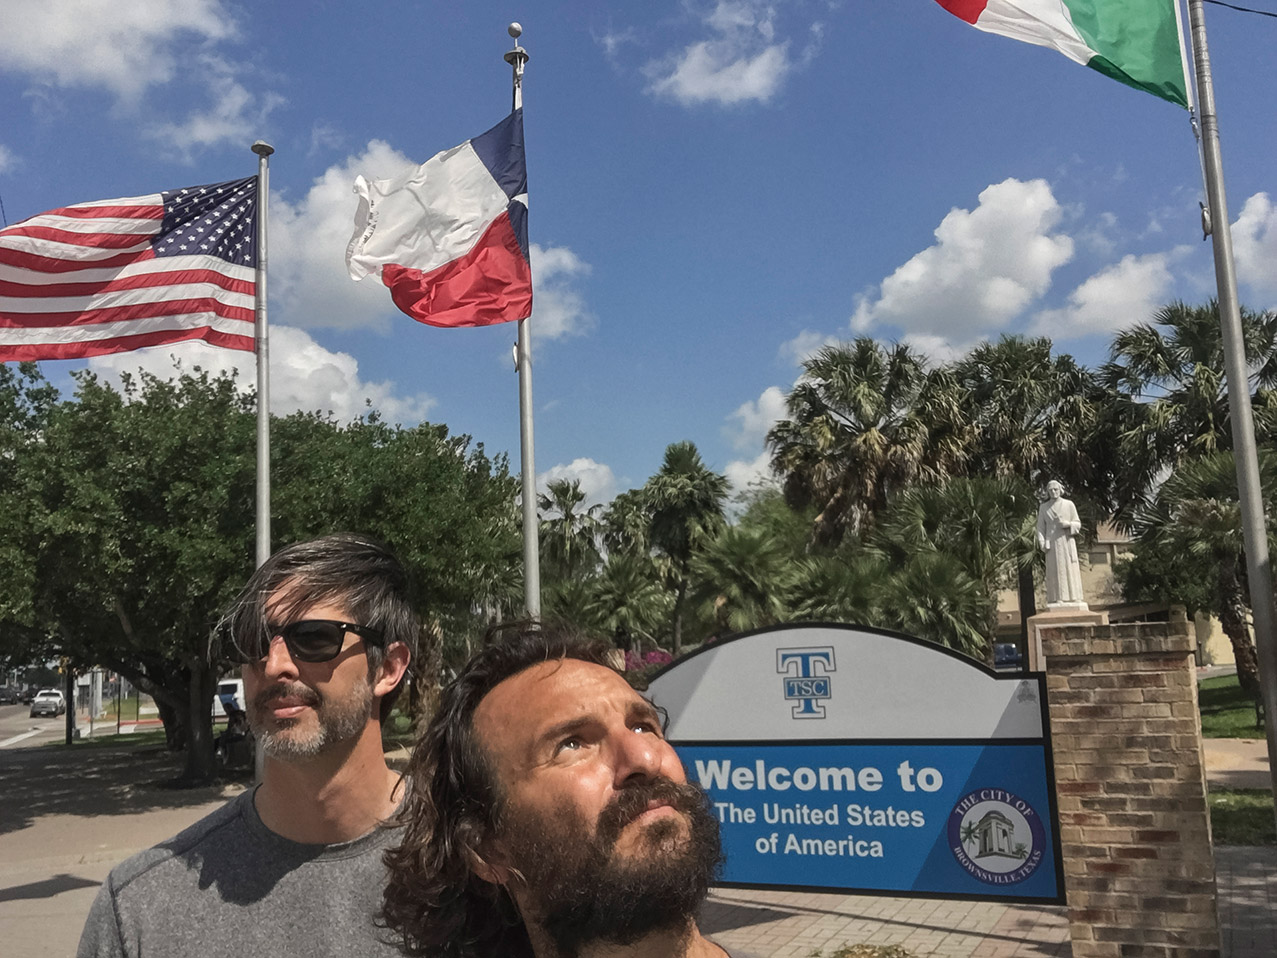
(852, 759)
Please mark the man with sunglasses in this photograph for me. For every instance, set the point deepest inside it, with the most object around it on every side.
(324, 631)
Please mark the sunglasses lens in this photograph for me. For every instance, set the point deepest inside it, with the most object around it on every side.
(314, 641)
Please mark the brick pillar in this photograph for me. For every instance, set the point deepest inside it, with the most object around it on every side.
(1134, 824)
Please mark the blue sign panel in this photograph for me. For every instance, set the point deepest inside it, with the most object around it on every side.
(922, 818)
(853, 759)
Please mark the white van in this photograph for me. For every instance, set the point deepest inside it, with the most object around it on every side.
(229, 692)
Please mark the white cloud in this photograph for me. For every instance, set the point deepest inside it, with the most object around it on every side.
(236, 114)
(747, 429)
(750, 423)
(805, 345)
(1255, 246)
(986, 267)
(742, 60)
(1127, 292)
(742, 473)
(122, 47)
(303, 376)
(7, 160)
(597, 479)
(309, 285)
(939, 349)
(558, 308)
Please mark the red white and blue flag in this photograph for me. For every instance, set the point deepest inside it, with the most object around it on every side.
(450, 237)
(114, 275)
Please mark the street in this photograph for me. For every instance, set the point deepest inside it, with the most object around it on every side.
(18, 727)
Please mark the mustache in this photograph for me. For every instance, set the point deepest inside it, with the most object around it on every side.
(292, 690)
(633, 801)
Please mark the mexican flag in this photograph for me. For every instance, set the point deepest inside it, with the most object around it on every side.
(1134, 41)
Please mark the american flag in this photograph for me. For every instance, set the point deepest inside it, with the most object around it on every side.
(114, 275)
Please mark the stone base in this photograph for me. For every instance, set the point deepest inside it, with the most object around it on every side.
(1053, 617)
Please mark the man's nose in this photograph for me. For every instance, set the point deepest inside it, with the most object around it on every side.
(278, 661)
(638, 757)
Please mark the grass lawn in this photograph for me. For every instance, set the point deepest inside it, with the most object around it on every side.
(153, 736)
(1227, 712)
(1242, 816)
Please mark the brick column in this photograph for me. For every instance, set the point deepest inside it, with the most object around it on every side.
(1134, 824)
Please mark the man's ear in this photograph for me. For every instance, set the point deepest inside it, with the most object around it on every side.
(393, 666)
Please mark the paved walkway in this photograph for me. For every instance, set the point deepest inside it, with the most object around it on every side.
(67, 818)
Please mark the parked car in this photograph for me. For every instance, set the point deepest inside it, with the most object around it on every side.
(1006, 656)
(8, 696)
(48, 702)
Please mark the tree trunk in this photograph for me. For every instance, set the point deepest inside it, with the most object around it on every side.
(200, 764)
(679, 592)
(1232, 618)
(174, 721)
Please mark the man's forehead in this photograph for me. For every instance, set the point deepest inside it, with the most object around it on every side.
(522, 706)
(291, 600)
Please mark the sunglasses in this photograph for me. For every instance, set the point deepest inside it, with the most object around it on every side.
(310, 640)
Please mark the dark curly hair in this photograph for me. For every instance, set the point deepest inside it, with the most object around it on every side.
(433, 898)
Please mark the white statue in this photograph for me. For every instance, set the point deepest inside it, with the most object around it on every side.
(1058, 523)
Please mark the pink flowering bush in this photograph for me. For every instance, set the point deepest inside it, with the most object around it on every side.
(658, 657)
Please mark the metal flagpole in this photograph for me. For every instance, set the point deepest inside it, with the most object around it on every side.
(263, 150)
(1254, 534)
(523, 358)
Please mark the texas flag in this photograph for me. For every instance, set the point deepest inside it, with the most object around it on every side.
(450, 238)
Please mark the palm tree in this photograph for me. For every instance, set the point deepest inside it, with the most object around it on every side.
(627, 597)
(685, 501)
(982, 524)
(1191, 535)
(1167, 377)
(844, 587)
(627, 524)
(853, 436)
(569, 536)
(1036, 417)
(933, 597)
(745, 579)
(969, 833)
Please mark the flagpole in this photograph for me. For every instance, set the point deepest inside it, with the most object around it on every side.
(263, 150)
(523, 357)
(1254, 533)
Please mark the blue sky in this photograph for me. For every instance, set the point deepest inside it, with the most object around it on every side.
(716, 189)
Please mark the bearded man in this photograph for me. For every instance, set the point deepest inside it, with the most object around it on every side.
(548, 817)
(325, 631)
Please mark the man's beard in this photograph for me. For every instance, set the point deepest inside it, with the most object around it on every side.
(582, 891)
(338, 720)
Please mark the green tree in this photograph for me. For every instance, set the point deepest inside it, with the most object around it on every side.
(745, 579)
(627, 599)
(984, 525)
(1170, 394)
(1189, 549)
(627, 524)
(684, 500)
(447, 510)
(137, 527)
(569, 533)
(853, 436)
(1037, 416)
(140, 533)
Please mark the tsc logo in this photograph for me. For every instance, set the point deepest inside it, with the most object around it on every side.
(806, 678)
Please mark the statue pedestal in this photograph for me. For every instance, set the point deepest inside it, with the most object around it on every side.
(1062, 614)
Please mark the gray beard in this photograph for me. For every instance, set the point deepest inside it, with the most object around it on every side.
(337, 723)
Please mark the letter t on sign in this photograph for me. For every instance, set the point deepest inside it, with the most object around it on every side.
(807, 681)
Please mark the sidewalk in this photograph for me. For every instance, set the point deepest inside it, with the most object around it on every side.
(67, 818)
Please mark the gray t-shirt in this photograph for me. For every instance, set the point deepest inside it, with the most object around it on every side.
(229, 886)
